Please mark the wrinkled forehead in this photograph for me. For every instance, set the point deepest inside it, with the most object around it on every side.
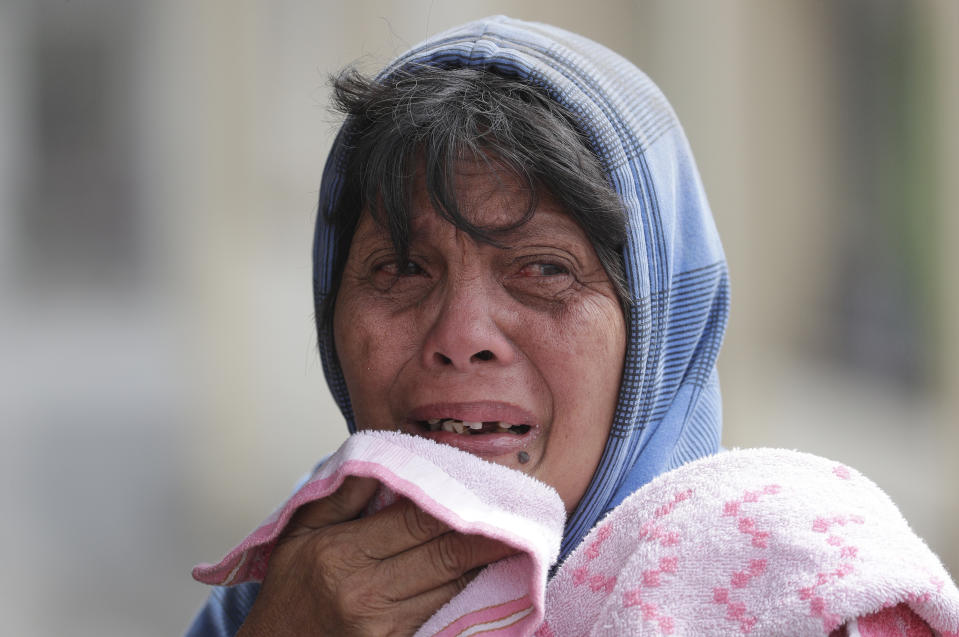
(495, 201)
(487, 193)
(546, 227)
(507, 225)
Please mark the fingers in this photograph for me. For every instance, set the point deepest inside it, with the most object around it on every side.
(416, 610)
(344, 504)
(441, 563)
(395, 529)
(386, 573)
(414, 555)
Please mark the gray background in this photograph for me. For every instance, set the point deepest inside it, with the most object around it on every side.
(159, 164)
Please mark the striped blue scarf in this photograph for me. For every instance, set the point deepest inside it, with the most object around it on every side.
(669, 408)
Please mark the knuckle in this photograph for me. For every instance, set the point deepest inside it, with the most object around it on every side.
(356, 601)
(451, 554)
(363, 610)
(333, 554)
(340, 501)
(460, 582)
(326, 547)
(304, 520)
(419, 524)
(352, 599)
(349, 500)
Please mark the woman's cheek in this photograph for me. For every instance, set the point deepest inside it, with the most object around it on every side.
(377, 349)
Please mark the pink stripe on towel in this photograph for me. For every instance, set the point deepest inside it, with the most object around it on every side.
(491, 620)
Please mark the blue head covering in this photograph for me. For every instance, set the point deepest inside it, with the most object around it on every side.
(669, 406)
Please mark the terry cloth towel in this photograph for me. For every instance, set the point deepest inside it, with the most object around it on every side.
(753, 542)
(469, 494)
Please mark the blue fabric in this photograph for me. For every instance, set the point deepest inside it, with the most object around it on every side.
(669, 409)
(224, 611)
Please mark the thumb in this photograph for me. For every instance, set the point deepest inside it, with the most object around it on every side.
(343, 505)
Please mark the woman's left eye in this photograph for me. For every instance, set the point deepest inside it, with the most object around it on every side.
(543, 269)
(410, 268)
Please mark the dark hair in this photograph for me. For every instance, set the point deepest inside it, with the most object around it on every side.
(432, 118)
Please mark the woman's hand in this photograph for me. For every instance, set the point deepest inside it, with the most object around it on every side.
(386, 574)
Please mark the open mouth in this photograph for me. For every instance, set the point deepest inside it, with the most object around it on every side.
(452, 425)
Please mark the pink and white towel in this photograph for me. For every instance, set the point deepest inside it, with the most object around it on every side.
(753, 542)
(469, 494)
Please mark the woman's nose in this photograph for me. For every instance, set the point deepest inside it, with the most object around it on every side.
(465, 333)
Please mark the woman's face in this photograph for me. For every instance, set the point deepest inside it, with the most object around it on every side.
(511, 353)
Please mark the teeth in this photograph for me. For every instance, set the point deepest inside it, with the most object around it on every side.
(452, 425)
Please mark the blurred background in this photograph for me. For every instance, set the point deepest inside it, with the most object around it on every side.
(159, 164)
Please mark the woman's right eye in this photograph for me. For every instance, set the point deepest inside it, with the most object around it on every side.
(397, 269)
(399, 277)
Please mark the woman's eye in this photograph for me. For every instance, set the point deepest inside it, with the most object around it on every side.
(542, 279)
(398, 276)
(396, 269)
(543, 269)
